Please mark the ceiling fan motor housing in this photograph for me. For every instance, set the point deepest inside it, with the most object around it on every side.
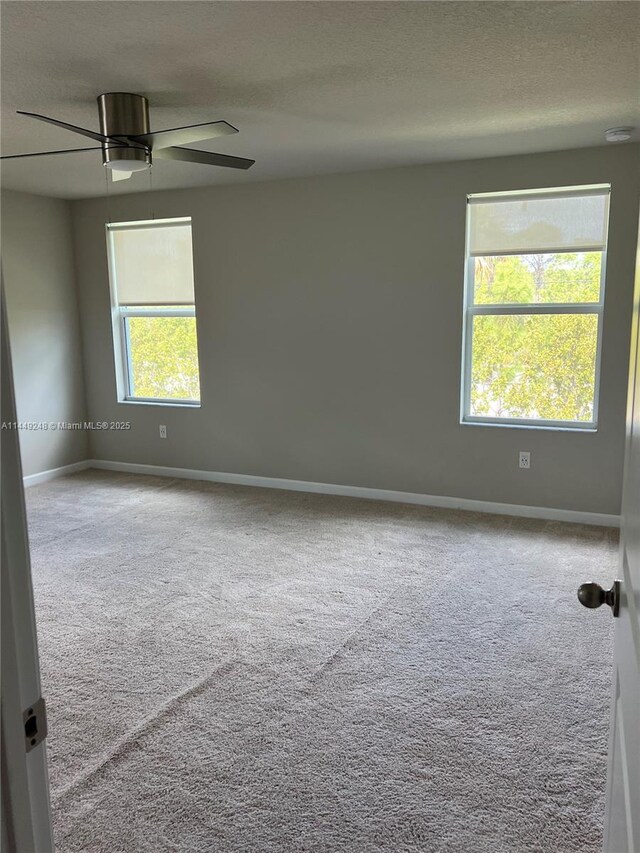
(124, 114)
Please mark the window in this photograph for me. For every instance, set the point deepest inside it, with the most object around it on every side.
(154, 322)
(534, 299)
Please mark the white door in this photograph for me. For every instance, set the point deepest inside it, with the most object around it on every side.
(25, 825)
(622, 819)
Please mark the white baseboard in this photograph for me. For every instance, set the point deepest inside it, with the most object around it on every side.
(53, 473)
(442, 501)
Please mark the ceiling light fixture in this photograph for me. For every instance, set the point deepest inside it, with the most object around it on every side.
(618, 134)
(123, 114)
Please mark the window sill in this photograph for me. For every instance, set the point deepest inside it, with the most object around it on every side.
(165, 404)
(589, 430)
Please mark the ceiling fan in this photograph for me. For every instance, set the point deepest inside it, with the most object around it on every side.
(128, 145)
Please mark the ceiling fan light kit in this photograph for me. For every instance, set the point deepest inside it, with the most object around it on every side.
(123, 115)
(129, 145)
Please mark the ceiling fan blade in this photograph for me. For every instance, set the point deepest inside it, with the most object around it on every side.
(117, 175)
(184, 135)
(208, 158)
(92, 134)
(47, 153)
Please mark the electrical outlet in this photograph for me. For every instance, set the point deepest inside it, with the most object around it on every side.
(525, 459)
(163, 431)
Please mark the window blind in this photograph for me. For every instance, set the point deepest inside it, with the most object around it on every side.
(533, 225)
(153, 265)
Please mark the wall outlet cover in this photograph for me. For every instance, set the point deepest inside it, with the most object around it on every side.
(524, 459)
(163, 431)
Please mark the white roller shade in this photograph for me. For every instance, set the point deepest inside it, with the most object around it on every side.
(528, 224)
(153, 264)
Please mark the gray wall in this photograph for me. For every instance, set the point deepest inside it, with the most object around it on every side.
(44, 329)
(329, 318)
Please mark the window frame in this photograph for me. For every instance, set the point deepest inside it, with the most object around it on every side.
(120, 314)
(471, 310)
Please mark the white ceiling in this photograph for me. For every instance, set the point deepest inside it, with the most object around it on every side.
(316, 87)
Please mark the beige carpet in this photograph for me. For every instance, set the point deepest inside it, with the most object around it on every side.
(236, 669)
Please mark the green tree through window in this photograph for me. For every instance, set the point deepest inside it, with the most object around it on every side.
(535, 366)
(164, 357)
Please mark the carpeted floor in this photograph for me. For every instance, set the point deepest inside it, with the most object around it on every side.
(232, 669)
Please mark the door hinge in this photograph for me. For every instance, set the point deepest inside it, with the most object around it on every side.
(35, 724)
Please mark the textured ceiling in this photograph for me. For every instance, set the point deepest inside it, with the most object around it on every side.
(316, 87)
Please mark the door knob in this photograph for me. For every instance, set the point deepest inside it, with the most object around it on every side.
(592, 595)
